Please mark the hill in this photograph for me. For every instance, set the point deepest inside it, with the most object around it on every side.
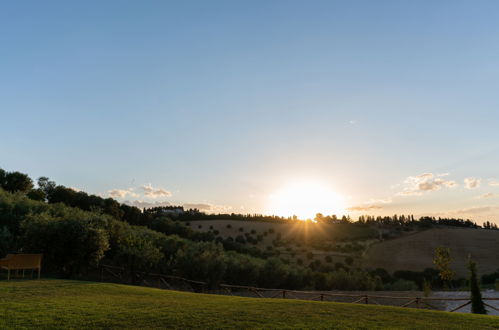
(415, 252)
(49, 304)
(297, 241)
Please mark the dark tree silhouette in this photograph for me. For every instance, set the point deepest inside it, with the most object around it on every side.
(477, 306)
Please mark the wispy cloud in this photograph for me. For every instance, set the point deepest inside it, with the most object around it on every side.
(472, 183)
(494, 183)
(371, 205)
(417, 185)
(207, 207)
(145, 205)
(364, 208)
(122, 193)
(487, 195)
(150, 191)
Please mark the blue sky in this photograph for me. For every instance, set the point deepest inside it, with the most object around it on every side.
(224, 102)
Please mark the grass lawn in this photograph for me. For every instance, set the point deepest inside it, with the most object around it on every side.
(49, 304)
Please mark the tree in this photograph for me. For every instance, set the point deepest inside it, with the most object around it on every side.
(36, 194)
(45, 185)
(2, 177)
(442, 260)
(477, 306)
(17, 181)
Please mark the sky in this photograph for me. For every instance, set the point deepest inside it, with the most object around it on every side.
(390, 106)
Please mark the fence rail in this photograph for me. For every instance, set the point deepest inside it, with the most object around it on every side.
(163, 281)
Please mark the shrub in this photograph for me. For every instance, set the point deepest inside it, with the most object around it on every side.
(70, 243)
(402, 285)
(240, 239)
(241, 229)
(349, 261)
(203, 261)
(329, 259)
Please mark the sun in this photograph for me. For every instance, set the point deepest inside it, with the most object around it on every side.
(305, 200)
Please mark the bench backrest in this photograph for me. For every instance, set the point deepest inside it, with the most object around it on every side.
(23, 261)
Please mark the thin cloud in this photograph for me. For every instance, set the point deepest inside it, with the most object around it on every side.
(494, 183)
(426, 182)
(122, 193)
(150, 191)
(487, 195)
(362, 208)
(146, 205)
(472, 183)
(207, 207)
(371, 205)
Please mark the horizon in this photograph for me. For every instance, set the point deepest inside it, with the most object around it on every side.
(263, 107)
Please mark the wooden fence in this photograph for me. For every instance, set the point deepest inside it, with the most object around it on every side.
(119, 274)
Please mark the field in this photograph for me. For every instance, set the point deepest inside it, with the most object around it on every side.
(49, 304)
(297, 239)
(415, 252)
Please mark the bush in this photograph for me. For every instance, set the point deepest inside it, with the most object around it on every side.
(70, 242)
(203, 261)
(241, 229)
(329, 259)
(240, 239)
(402, 285)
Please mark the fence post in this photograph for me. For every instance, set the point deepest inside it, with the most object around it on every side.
(417, 302)
(322, 297)
(283, 294)
(102, 273)
(366, 299)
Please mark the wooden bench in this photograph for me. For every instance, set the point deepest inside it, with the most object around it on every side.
(21, 262)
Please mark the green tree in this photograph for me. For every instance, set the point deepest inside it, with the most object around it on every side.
(17, 181)
(477, 306)
(442, 260)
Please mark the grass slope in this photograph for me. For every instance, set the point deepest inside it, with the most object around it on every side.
(49, 304)
(415, 252)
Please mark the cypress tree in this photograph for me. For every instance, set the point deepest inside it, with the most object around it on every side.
(477, 306)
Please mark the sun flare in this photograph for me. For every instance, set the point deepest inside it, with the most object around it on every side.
(305, 200)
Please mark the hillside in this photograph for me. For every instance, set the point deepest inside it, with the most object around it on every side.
(49, 304)
(415, 252)
(298, 241)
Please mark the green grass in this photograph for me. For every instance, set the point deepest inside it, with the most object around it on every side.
(49, 304)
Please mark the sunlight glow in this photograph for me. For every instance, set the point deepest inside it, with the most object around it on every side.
(305, 200)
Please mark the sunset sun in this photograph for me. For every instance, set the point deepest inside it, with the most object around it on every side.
(305, 200)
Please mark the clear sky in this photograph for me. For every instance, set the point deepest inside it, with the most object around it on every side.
(391, 105)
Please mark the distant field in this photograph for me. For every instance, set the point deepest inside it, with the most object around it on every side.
(55, 304)
(415, 252)
(299, 236)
